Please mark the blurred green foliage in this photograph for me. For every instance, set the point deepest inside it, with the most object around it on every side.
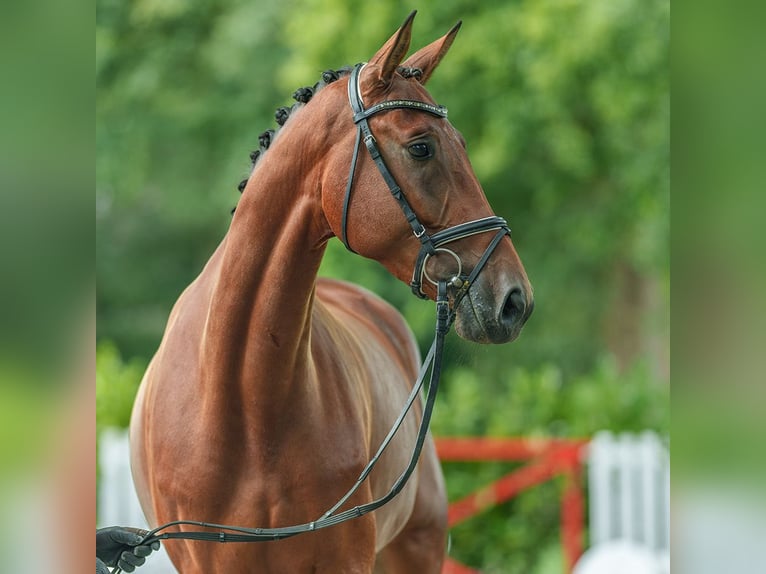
(522, 535)
(116, 385)
(565, 108)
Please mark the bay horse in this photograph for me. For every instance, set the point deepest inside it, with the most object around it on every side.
(272, 388)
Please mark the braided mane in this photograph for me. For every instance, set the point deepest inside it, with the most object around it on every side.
(302, 96)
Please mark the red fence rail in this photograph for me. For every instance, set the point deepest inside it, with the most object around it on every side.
(547, 459)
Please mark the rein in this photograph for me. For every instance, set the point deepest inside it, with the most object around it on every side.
(445, 316)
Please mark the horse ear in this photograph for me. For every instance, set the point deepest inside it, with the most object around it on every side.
(426, 59)
(393, 51)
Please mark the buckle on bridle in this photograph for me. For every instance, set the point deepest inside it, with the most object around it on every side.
(459, 282)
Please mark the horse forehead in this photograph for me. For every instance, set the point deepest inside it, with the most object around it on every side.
(412, 85)
(400, 88)
(410, 89)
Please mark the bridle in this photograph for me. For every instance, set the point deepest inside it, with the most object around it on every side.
(430, 245)
(445, 316)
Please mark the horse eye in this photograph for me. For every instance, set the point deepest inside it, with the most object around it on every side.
(420, 150)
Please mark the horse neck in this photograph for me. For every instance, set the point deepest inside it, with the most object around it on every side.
(258, 324)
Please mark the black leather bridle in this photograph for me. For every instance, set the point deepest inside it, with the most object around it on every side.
(430, 245)
(445, 316)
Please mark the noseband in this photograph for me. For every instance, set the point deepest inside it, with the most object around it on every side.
(430, 245)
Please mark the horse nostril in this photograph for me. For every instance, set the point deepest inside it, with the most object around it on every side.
(514, 307)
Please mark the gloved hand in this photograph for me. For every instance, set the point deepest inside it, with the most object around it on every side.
(121, 546)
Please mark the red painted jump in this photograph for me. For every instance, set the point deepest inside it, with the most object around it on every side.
(548, 458)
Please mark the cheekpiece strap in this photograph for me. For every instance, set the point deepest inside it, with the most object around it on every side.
(364, 134)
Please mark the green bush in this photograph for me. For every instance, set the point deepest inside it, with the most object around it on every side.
(116, 385)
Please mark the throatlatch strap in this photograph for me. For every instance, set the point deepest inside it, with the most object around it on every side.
(347, 196)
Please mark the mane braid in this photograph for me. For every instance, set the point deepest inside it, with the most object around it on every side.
(302, 96)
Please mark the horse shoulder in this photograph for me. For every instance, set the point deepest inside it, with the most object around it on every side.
(351, 302)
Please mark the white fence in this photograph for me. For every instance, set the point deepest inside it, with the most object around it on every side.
(117, 501)
(629, 505)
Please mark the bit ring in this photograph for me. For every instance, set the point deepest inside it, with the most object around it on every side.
(445, 250)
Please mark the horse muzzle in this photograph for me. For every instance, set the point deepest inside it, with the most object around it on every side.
(487, 315)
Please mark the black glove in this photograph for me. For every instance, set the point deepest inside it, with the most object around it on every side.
(101, 567)
(121, 546)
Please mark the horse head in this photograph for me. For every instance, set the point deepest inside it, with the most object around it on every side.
(432, 191)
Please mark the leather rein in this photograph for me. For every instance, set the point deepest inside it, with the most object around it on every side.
(445, 316)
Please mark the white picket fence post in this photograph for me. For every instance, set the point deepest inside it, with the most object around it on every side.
(118, 503)
(629, 486)
(117, 500)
